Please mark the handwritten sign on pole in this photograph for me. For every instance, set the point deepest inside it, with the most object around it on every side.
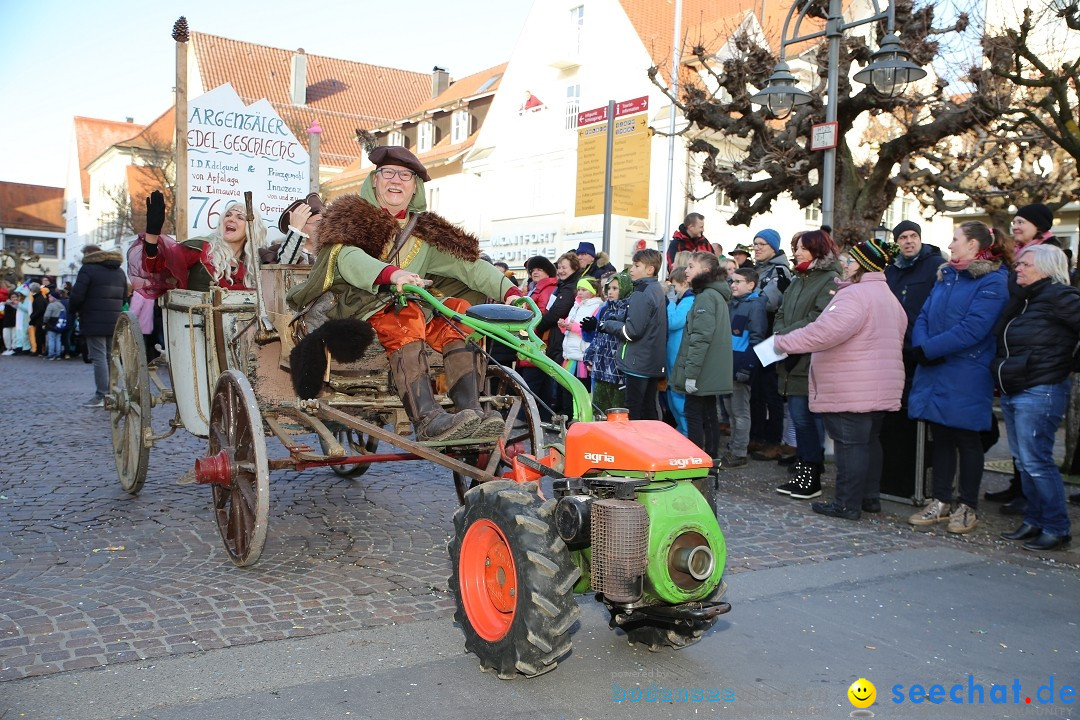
(233, 148)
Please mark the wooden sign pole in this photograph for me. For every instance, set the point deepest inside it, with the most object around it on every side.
(180, 196)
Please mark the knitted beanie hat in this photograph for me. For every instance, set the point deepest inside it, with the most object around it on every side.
(770, 236)
(1038, 215)
(873, 255)
(903, 226)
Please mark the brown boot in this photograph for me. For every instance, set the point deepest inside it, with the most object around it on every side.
(411, 377)
(464, 368)
(770, 451)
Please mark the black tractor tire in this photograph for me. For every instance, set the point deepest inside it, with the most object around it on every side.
(516, 615)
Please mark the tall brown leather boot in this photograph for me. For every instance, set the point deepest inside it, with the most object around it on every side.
(411, 376)
(462, 363)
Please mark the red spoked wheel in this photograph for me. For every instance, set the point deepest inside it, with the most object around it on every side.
(513, 580)
(242, 486)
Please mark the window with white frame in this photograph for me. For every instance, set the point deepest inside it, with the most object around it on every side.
(573, 105)
(396, 138)
(813, 212)
(459, 125)
(577, 24)
(723, 200)
(424, 139)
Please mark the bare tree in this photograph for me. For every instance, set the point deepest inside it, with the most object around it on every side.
(15, 261)
(777, 157)
(156, 170)
(996, 169)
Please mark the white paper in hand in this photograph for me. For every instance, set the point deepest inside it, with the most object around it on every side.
(767, 352)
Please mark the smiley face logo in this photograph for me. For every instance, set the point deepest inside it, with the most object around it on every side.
(862, 693)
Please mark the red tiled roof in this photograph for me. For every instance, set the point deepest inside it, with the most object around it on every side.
(93, 137)
(709, 22)
(342, 95)
(159, 134)
(465, 87)
(443, 151)
(31, 207)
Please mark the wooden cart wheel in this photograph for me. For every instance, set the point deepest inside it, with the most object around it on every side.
(242, 506)
(523, 433)
(129, 403)
(355, 443)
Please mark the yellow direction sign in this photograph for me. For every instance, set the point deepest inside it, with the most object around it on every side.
(629, 166)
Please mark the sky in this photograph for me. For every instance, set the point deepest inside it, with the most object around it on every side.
(114, 59)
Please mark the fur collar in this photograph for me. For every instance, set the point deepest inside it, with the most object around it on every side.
(977, 268)
(102, 256)
(351, 220)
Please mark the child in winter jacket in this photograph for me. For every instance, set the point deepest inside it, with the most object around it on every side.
(678, 308)
(702, 369)
(574, 341)
(55, 319)
(749, 325)
(608, 389)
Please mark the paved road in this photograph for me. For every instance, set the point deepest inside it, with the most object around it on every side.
(93, 578)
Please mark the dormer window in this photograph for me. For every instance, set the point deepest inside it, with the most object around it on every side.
(425, 136)
(459, 126)
(396, 138)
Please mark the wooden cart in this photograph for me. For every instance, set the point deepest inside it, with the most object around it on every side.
(227, 376)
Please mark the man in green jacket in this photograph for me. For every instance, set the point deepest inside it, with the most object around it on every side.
(384, 237)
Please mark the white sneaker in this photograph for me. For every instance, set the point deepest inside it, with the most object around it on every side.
(94, 402)
(8, 352)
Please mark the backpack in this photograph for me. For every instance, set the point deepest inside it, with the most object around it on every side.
(59, 322)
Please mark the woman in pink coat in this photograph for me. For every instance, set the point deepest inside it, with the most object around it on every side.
(856, 374)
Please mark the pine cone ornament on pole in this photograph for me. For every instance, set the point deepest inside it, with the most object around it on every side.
(180, 30)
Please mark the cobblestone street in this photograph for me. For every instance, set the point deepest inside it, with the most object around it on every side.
(91, 576)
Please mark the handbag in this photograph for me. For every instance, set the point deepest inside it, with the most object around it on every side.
(313, 315)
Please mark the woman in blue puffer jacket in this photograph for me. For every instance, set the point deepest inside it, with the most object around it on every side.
(953, 343)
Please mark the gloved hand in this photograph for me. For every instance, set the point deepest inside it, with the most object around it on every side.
(742, 376)
(920, 357)
(691, 386)
(588, 324)
(155, 213)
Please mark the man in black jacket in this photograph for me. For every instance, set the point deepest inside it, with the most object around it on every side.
(97, 298)
(911, 277)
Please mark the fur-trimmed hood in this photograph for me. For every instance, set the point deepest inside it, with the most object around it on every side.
(976, 269)
(103, 256)
(351, 220)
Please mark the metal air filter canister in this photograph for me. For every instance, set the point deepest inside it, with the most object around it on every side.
(620, 538)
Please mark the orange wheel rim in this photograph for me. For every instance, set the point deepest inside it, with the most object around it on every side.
(488, 580)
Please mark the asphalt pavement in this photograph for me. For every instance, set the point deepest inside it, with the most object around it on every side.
(119, 606)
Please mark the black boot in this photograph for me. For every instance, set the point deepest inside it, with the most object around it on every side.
(1010, 493)
(808, 481)
(411, 377)
(464, 370)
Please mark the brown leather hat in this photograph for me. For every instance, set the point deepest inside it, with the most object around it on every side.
(397, 155)
(314, 202)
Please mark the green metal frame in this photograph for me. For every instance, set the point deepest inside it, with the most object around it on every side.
(528, 347)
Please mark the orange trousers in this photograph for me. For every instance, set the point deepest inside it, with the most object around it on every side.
(397, 326)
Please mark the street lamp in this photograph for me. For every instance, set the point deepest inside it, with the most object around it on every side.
(881, 233)
(889, 71)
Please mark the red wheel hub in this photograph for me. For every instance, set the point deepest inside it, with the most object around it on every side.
(488, 580)
(214, 470)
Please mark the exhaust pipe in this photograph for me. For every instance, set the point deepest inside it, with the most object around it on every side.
(698, 562)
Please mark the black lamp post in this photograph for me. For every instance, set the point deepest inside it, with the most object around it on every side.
(889, 72)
